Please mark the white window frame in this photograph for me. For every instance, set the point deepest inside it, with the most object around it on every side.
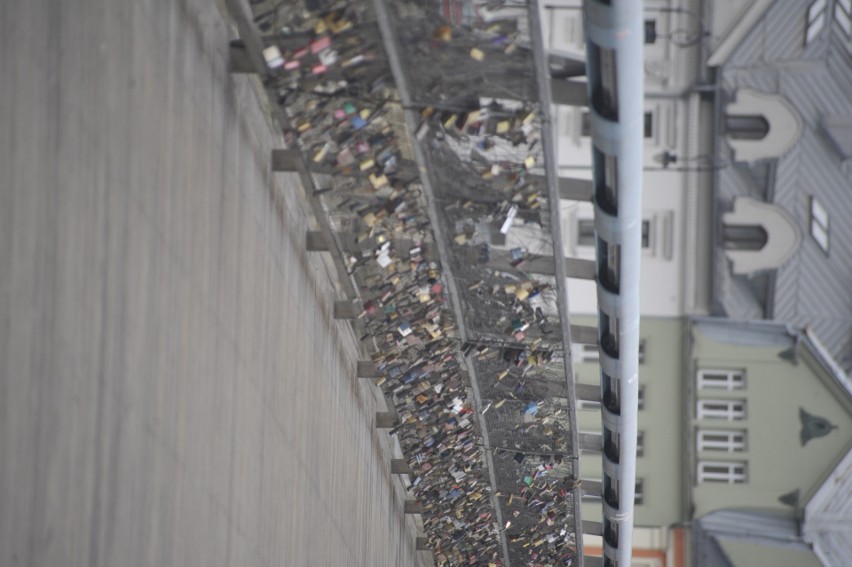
(816, 20)
(639, 492)
(586, 353)
(729, 379)
(734, 472)
(820, 225)
(726, 440)
(734, 410)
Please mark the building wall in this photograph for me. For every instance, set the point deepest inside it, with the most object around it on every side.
(774, 391)
(744, 554)
(659, 421)
(669, 69)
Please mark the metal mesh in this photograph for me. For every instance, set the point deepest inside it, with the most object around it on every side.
(470, 71)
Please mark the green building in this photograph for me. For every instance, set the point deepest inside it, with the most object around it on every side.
(745, 445)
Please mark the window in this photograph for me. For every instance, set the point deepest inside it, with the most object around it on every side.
(646, 234)
(640, 444)
(744, 237)
(641, 353)
(639, 494)
(746, 127)
(650, 31)
(586, 124)
(722, 472)
(721, 379)
(585, 232)
(733, 441)
(816, 20)
(642, 397)
(843, 16)
(819, 224)
(586, 353)
(726, 410)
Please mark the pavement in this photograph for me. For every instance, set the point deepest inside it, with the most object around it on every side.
(173, 387)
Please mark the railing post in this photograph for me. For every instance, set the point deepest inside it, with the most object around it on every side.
(315, 241)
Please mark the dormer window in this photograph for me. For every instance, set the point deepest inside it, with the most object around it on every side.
(816, 20)
(744, 127)
(819, 224)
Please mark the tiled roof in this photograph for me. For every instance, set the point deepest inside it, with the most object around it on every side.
(812, 288)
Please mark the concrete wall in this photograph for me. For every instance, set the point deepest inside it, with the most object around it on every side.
(660, 465)
(173, 389)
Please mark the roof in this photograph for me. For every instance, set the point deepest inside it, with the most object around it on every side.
(828, 517)
(745, 22)
(812, 288)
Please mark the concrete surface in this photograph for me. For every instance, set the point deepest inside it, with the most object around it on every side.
(173, 388)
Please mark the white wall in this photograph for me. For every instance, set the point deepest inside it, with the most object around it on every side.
(666, 72)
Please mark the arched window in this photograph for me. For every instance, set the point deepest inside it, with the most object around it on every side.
(745, 237)
(760, 125)
(746, 127)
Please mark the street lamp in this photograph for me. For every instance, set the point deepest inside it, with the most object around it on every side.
(704, 162)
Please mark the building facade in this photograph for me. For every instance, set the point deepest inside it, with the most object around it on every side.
(744, 452)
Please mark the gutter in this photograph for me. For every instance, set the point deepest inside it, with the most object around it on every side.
(734, 37)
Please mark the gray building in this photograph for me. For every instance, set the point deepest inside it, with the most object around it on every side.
(784, 179)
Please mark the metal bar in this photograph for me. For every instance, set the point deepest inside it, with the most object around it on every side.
(570, 93)
(366, 369)
(584, 334)
(550, 165)
(315, 241)
(286, 160)
(588, 392)
(385, 420)
(591, 487)
(580, 269)
(575, 189)
(399, 466)
(345, 310)
(412, 507)
(590, 442)
(239, 61)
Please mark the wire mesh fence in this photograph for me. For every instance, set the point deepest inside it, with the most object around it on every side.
(470, 69)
